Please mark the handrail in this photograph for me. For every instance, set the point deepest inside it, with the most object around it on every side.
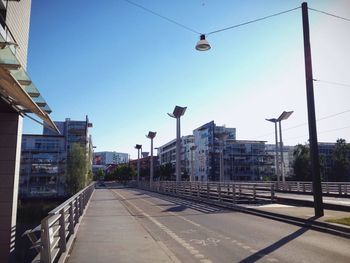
(58, 229)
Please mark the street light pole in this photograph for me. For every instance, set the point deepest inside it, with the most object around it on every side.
(151, 135)
(177, 113)
(276, 150)
(138, 147)
(193, 148)
(281, 150)
(314, 155)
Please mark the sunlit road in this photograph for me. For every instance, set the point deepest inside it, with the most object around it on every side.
(202, 233)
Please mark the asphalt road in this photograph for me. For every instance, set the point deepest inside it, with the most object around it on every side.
(195, 232)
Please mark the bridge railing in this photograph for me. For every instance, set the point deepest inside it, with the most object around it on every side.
(214, 191)
(329, 188)
(58, 229)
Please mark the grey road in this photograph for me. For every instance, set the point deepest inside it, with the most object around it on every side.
(196, 231)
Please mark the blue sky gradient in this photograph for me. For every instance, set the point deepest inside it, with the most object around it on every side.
(126, 68)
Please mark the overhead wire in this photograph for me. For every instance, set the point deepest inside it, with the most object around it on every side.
(163, 17)
(251, 21)
(329, 14)
(332, 82)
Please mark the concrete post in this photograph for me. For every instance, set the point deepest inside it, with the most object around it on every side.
(178, 150)
(10, 153)
(151, 166)
(281, 149)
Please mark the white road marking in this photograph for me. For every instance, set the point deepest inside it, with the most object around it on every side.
(168, 231)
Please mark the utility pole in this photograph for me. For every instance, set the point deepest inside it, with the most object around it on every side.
(314, 156)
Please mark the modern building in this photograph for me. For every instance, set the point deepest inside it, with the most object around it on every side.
(43, 164)
(287, 159)
(167, 155)
(18, 97)
(209, 139)
(44, 158)
(105, 158)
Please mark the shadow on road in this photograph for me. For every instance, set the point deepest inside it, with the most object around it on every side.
(278, 244)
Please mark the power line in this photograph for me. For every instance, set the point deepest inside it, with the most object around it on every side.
(332, 82)
(252, 21)
(163, 17)
(329, 14)
(321, 132)
(305, 123)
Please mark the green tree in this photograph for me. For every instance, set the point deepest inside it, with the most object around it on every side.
(301, 163)
(77, 169)
(165, 172)
(340, 160)
(124, 173)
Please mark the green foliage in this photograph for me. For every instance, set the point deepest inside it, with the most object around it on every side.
(77, 169)
(340, 160)
(165, 172)
(100, 174)
(122, 173)
(301, 163)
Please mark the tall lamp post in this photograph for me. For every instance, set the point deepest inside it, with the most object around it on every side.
(274, 120)
(193, 148)
(151, 135)
(222, 138)
(177, 113)
(203, 45)
(285, 115)
(138, 147)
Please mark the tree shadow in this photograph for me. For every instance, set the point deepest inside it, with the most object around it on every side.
(278, 244)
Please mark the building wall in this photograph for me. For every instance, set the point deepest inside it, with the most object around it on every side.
(17, 19)
(43, 163)
(104, 158)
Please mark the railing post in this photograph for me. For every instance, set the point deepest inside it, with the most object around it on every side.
(240, 190)
(298, 186)
(304, 187)
(272, 192)
(234, 193)
(71, 218)
(254, 191)
(76, 211)
(208, 191)
(339, 188)
(62, 231)
(327, 188)
(45, 254)
(198, 196)
(219, 191)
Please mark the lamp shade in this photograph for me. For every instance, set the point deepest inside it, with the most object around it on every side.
(202, 44)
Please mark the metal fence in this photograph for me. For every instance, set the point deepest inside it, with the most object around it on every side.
(215, 191)
(58, 229)
(329, 188)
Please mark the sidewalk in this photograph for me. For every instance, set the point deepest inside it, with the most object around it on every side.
(303, 212)
(109, 233)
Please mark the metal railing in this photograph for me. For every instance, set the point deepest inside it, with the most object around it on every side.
(329, 188)
(214, 191)
(58, 229)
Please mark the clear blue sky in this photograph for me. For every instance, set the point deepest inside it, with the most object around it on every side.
(126, 68)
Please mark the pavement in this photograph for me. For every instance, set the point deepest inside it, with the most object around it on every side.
(132, 225)
(109, 233)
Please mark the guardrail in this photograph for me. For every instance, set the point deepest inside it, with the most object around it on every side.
(214, 191)
(58, 229)
(329, 188)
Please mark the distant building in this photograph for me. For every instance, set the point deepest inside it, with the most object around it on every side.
(44, 158)
(208, 140)
(104, 158)
(288, 159)
(43, 163)
(245, 160)
(167, 154)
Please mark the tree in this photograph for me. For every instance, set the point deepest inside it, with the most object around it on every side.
(77, 169)
(165, 172)
(340, 158)
(301, 163)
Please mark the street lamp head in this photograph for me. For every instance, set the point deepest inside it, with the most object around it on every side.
(202, 44)
(178, 112)
(138, 146)
(285, 115)
(151, 135)
(274, 120)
